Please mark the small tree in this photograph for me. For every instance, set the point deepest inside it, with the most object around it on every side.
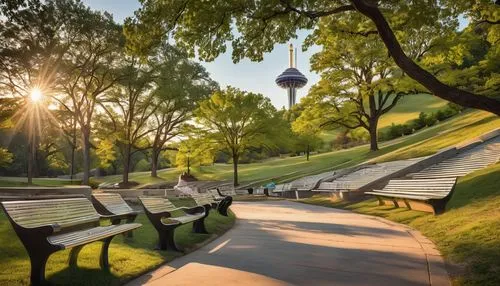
(236, 120)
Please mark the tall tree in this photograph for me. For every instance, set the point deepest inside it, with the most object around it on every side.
(129, 106)
(180, 85)
(359, 82)
(236, 120)
(89, 69)
(262, 24)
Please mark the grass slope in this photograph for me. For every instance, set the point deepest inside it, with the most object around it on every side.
(128, 258)
(467, 234)
(425, 142)
(408, 108)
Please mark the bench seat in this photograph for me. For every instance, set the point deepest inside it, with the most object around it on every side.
(419, 194)
(183, 219)
(72, 239)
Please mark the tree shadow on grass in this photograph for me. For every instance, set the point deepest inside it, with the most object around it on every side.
(83, 276)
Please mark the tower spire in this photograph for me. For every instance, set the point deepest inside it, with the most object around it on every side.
(291, 55)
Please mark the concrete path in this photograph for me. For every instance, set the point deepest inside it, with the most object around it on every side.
(282, 243)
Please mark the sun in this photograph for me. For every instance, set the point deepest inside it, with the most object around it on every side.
(36, 94)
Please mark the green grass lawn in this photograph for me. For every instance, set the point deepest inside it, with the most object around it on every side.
(422, 143)
(128, 258)
(41, 182)
(467, 234)
(408, 108)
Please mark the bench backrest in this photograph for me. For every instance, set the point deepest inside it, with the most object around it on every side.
(63, 212)
(202, 199)
(113, 203)
(157, 204)
(215, 194)
(438, 186)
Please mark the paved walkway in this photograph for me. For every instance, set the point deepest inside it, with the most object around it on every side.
(283, 243)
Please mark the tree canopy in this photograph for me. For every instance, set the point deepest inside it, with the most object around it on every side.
(236, 120)
(253, 28)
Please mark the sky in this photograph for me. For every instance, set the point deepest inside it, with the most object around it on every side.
(250, 76)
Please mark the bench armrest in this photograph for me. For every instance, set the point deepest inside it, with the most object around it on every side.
(119, 216)
(43, 229)
(193, 210)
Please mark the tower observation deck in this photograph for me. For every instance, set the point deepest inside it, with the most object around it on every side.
(291, 79)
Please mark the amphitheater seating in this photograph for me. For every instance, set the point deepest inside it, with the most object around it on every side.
(464, 163)
(429, 195)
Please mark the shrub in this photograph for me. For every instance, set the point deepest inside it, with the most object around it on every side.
(430, 119)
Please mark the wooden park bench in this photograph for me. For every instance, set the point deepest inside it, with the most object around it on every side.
(429, 195)
(208, 201)
(47, 226)
(114, 207)
(224, 201)
(159, 212)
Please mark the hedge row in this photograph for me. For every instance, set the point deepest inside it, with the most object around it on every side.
(423, 120)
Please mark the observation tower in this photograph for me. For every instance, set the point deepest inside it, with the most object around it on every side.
(291, 79)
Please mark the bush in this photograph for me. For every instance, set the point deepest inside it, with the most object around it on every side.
(430, 119)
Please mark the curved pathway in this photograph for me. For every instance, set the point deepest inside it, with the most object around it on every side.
(282, 243)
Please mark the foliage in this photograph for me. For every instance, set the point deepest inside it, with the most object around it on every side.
(106, 152)
(423, 120)
(5, 158)
(236, 120)
(253, 28)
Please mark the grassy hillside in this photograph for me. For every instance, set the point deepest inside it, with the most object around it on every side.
(408, 108)
(425, 142)
(467, 234)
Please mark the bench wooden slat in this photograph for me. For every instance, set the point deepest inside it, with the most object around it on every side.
(82, 237)
(114, 203)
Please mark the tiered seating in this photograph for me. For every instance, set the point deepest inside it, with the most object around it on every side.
(365, 175)
(464, 163)
(420, 194)
(309, 182)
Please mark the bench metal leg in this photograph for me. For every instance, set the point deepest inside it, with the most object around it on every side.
(199, 226)
(129, 234)
(73, 255)
(167, 241)
(103, 260)
(38, 263)
(224, 205)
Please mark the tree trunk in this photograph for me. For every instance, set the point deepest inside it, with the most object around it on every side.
(439, 89)
(86, 155)
(73, 147)
(30, 163)
(126, 164)
(154, 162)
(373, 121)
(235, 169)
(307, 152)
(373, 135)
